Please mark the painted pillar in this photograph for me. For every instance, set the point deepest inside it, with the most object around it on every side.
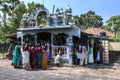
(21, 39)
(105, 52)
(52, 44)
(20, 35)
(92, 42)
(70, 50)
(36, 23)
(35, 38)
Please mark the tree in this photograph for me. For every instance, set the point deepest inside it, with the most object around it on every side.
(18, 13)
(13, 22)
(32, 7)
(113, 24)
(7, 7)
(5, 10)
(13, 11)
(90, 19)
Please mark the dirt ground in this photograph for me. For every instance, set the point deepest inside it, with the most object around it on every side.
(94, 69)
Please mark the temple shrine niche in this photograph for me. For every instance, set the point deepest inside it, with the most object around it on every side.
(42, 17)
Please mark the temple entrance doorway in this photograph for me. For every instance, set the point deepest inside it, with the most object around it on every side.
(43, 37)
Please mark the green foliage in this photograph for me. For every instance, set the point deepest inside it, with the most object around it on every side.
(113, 24)
(13, 11)
(8, 8)
(116, 38)
(32, 7)
(15, 21)
(89, 19)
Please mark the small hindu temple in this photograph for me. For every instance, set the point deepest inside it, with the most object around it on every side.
(52, 28)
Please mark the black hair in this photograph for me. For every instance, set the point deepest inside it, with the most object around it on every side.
(39, 44)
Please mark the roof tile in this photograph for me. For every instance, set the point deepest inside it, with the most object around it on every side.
(96, 31)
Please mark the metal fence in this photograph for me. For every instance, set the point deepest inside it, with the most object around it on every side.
(3, 49)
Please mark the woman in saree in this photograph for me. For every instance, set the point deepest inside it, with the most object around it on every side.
(25, 56)
(44, 58)
(33, 57)
(82, 55)
(10, 50)
(91, 59)
(86, 54)
(13, 56)
(48, 50)
(16, 57)
(20, 55)
(39, 57)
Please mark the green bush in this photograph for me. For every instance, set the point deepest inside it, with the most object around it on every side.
(116, 38)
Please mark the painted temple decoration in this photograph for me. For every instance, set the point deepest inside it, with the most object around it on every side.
(42, 17)
(68, 14)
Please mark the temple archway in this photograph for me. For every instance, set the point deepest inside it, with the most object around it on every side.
(41, 17)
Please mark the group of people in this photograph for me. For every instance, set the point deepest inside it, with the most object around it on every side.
(84, 54)
(79, 57)
(37, 56)
(29, 56)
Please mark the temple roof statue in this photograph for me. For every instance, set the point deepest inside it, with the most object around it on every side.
(68, 9)
(57, 11)
(42, 17)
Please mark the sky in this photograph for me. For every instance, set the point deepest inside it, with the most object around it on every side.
(104, 8)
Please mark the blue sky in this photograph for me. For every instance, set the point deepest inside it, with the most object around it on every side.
(104, 8)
